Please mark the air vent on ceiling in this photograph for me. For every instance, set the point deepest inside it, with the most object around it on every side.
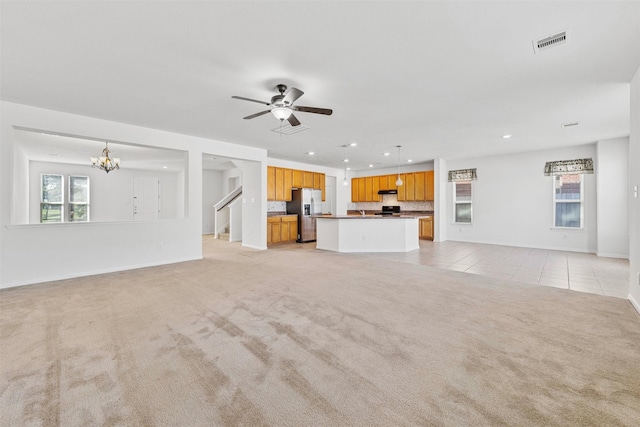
(289, 130)
(566, 125)
(550, 41)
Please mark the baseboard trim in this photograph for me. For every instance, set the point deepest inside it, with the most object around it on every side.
(547, 248)
(634, 303)
(94, 273)
(260, 248)
(607, 255)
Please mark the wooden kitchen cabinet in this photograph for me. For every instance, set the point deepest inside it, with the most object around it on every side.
(426, 228)
(368, 189)
(297, 179)
(419, 185)
(429, 183)
(416, 186)
(323, 188)
(409, 187)
(307, 179)
(383, 182)
(282, 228)
(289, 228)
(274, 226)
(402, 188)
(288, 184)
(279, 184)
(271, 183)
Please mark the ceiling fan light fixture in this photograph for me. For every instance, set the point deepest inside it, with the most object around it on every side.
(281, 113)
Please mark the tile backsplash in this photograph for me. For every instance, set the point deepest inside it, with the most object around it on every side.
(276, 206)
(391, 200)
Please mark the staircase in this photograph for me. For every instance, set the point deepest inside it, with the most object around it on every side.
(224, 235)
(230, 210)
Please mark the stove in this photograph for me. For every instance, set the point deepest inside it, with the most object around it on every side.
(389, 210)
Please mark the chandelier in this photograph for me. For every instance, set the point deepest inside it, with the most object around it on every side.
(105, 162)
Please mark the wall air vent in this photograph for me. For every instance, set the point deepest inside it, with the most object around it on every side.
(550, 41)
(289, 130)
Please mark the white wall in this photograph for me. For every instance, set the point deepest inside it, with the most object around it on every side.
(42, 252)
(111, 195)
(634, 197)
(513, 204)
(612, 174)
(212, 185)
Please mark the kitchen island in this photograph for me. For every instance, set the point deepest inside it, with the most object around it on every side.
(367, 233)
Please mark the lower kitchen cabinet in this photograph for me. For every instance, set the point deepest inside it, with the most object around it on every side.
(282, 228)
(426, 228)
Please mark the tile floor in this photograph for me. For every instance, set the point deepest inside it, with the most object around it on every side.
(568, 270)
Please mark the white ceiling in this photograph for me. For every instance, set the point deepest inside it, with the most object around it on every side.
(442, 79)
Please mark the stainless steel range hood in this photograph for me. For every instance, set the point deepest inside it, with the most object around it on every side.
(388, 192)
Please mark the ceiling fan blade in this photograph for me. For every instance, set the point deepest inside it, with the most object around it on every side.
(249, 99)
(292, 95)
(253, 116)
(325, 111)
(293, 121)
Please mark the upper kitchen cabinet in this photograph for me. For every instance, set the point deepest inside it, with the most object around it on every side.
(416, 186)
(297, 179)
(280, 181)
(271, 183)
(307, 179)
(429, 191)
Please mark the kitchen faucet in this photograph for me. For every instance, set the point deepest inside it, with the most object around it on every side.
(362, 212)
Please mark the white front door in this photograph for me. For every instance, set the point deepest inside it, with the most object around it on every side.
(146, 198)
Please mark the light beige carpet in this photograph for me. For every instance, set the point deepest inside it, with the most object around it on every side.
(299, 337)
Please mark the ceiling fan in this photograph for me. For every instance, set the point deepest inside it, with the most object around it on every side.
(283, 107)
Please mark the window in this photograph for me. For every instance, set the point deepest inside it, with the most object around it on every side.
(52, 205)
(567, 201)
(78, 198)
(51, 198)
(462, 202)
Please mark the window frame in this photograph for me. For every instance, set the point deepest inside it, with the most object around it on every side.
(87, 204)
(457, 202)
(556, 201)
(43, 202)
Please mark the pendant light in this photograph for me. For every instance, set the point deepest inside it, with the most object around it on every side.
(398, 181)
(345, 182)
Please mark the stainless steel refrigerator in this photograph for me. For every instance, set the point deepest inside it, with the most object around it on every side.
(307, 203)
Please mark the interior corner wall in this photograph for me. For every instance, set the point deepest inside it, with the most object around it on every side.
(212, 184)
(33, 253)
(612, 173)
(512, 202)
(634, 196)
(440, 205)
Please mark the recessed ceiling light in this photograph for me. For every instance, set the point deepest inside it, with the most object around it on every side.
(386, 154)
(507, 136)
(370, 165)
(353, 144)
(311, 153)
(348, 169)
(409, 161)
(164, 167)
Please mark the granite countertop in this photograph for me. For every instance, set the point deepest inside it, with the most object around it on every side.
(368, 216)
